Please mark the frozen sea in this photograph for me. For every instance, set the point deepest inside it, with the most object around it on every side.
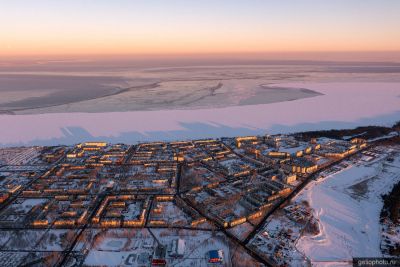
(342, 98)
(342, 105)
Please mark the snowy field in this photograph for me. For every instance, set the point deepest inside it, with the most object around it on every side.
(122, 247)
(348, 204)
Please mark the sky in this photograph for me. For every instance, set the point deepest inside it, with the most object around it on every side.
(172, 27)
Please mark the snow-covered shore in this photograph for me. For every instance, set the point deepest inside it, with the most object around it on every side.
(348, 204)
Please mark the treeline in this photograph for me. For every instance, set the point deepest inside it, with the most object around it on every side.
(391, 205)
(390, 211)
(366, 132)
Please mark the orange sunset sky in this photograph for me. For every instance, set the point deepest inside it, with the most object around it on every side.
(148, 27)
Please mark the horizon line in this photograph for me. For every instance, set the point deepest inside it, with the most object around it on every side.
(305, 55)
